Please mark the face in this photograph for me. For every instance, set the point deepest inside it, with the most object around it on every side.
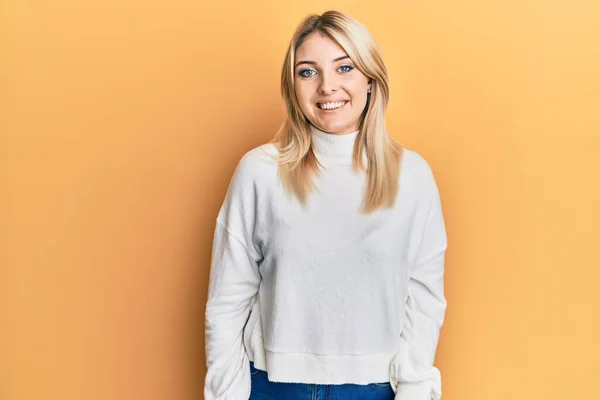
(332, 93)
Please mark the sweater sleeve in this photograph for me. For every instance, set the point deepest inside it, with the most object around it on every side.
(233, 284)
(413, 375)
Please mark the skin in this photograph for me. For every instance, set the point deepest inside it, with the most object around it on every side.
(325, 73)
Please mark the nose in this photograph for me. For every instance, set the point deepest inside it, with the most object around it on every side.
(327, 84)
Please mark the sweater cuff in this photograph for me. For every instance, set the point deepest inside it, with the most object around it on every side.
(414, 391)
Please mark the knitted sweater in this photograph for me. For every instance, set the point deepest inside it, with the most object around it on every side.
(324, 294)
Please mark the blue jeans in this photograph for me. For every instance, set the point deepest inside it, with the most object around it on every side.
(263, 389)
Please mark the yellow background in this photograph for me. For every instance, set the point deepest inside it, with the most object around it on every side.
(122, 122)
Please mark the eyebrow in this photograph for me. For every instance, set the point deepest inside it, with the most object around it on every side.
(314, 63)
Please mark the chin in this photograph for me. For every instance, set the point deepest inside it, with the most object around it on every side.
(331, 128)
(339, 130)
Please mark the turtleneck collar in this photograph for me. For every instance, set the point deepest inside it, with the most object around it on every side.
(333, 147)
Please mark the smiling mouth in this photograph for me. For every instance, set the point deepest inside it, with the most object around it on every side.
(331, 106)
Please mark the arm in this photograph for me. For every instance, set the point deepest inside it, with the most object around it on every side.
(234, 281)
(414, 376)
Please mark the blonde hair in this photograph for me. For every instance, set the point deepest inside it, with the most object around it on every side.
(297, 161)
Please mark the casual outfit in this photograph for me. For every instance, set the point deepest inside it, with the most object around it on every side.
(322, 294)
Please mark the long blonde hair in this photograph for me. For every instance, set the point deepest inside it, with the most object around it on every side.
(298, 163)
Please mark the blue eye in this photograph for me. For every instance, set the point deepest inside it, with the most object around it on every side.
(346, 68)
(306, 73)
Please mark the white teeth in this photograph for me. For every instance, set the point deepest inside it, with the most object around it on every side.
(332, 105)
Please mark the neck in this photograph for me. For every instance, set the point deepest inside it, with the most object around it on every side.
(333, 147)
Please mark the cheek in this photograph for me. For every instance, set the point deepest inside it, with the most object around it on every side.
(358, 89)
(303, 95)
(358, 97)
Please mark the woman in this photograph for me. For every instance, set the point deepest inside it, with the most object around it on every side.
(327, 268)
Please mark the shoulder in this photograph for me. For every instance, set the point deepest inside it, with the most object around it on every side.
(249, 175)
(255, 164)
(418, 177)
(415, 165)
(265, 154)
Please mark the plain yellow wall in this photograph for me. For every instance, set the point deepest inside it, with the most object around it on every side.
(122, 122)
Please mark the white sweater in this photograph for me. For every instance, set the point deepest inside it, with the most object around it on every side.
(334, 296)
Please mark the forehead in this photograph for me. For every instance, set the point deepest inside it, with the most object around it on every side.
(319, 47)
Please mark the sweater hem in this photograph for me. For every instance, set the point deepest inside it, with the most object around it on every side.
(324, 369)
